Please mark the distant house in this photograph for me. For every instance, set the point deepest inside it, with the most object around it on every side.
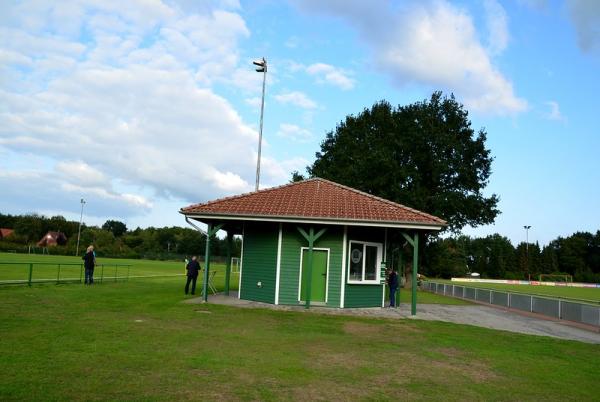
(4, 233)
(51, 239)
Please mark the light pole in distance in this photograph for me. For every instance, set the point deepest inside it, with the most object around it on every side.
(527, 227)
(262, 68)
(79, 231)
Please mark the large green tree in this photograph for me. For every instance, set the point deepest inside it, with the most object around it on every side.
(424, 155)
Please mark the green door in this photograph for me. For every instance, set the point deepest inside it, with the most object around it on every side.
(318, 277)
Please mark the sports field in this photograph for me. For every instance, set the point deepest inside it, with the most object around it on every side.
(136, 340)
(584, 294)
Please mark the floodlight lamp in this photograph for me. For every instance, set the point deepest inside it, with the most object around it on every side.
(262, 65)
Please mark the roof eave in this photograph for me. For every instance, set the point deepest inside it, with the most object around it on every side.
(323, 220)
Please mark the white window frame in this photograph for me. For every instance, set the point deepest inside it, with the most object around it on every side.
(377, 280)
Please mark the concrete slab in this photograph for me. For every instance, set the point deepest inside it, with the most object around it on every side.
(478, 315)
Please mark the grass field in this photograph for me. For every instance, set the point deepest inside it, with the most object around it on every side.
(136, 340)
(585, 294)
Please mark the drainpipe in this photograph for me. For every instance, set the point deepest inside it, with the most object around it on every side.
(194, 226)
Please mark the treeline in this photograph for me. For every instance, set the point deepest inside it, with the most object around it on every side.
(492, 257)
(495, 257)
(113, 239)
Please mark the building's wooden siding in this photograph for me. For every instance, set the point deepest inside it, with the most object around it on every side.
(363, 296)
(289, 278)
(292, 243)
(259, 262)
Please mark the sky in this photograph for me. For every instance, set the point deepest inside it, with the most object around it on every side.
(145, 106)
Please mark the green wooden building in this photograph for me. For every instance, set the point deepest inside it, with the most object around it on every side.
(314, 242)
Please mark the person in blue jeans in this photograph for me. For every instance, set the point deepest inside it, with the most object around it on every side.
(393, 284)
(89, 262)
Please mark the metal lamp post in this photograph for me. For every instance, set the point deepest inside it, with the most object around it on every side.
(79, 231)
(262, 68)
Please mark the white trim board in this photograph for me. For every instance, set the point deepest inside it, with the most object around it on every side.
(343, 282)
(278, 265)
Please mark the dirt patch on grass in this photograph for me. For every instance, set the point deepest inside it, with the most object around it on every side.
(361, 329)
(451, 352)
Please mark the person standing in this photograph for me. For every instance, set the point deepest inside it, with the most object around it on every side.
(193, 268)
(393, 284)
(89, 263)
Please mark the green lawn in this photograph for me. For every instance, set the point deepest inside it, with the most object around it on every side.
(586, 294)
(136, 340)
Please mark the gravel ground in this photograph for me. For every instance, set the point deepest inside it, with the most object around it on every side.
(482, 316)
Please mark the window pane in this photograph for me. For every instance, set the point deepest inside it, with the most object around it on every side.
(371, 263)
(356, 258)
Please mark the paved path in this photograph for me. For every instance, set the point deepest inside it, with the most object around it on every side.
(482, 316)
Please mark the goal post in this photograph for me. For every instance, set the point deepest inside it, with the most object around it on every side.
(556, 278)
(235, 265)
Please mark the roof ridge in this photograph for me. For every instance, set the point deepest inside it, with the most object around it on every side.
(424, 214)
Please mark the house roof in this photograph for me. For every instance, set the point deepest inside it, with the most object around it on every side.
(314, 200)
(4, 232)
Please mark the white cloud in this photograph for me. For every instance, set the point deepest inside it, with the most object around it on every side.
(294, 133)
(36, 190)
(497, 23)
(297, 98)
(129, 108)
(433, 43)
(554, 112)
(331, 75)
(585, 15)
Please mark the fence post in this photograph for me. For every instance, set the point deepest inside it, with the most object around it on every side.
(531, 308)
(58, 275)
(30, 272)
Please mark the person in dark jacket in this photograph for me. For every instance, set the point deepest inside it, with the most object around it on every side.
(393, 284)
(193, 268)
(89, 262)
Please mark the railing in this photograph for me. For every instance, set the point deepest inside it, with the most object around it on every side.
(559, 308)
(14, 273)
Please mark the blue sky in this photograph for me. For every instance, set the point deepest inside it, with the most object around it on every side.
(142, 107)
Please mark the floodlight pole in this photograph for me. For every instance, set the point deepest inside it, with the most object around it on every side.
(527, 227)
(79, 231)
(262, 68)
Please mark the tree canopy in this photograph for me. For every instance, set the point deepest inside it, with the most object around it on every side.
(424, 155)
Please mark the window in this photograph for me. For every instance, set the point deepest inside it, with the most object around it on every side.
(364, 262)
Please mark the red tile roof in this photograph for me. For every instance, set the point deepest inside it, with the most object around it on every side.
(313, 199)
(4, 232)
